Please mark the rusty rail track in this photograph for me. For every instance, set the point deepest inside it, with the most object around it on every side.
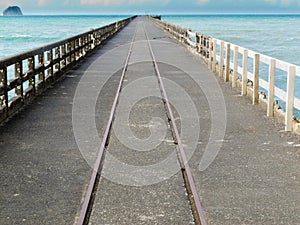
(88, 200)
(187, 174)
(190, 184)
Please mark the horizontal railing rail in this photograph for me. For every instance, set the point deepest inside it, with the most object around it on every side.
(25, 75)
(241, 66)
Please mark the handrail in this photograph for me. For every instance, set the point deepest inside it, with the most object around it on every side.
(233, 63)
(29, 73)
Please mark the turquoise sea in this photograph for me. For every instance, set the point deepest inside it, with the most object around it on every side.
(273, 35)
(23, 33)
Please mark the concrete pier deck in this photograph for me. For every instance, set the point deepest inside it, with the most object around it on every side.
(138, 190)
(249, 167)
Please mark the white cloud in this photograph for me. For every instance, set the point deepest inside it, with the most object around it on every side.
(6, 3)
(116, 2)
(287, 2)
(202, 1)
(283, 2)
(102, 2)
(42, 3)
(271, 1)
(32, 3)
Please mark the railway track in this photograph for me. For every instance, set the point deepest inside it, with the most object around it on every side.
(182, 158)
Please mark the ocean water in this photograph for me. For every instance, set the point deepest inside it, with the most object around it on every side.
(18, 34)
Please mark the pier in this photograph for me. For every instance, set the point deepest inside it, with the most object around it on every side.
(145, 122)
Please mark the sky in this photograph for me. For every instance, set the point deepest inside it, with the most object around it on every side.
(153, 6)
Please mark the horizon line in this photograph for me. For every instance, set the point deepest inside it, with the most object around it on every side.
(149, 14)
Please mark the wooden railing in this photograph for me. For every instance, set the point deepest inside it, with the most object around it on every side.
(241, 66)
(27, 74)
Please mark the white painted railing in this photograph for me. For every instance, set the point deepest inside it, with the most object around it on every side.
(235, 63)
(232, 65)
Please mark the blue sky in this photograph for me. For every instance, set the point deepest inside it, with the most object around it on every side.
(153, 6)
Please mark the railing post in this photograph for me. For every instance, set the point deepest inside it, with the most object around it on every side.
(221, 69)
(210, 53)
(235, 66)
(214, 63)
(81, 44)
(3, 84)
(116, 26)
(255, 80)
(73, 55)
(3, 80)
(91, 42)
(31, 82)
(227, 67)
(207, 52)
(41, 76)
(290, 99)
(76, 48)
(49, 60)
(18, 75)
(245, 72)
(201, 45)
(57, 56)
(185, 37)
(63, 56)
(271, 93)
(204, 47)
(198, 43)
(68, 52)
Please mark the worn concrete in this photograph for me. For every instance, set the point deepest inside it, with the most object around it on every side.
(123, 196)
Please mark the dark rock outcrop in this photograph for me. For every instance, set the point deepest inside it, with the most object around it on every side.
(12, 11)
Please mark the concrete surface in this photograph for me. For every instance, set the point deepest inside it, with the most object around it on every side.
(121, 197)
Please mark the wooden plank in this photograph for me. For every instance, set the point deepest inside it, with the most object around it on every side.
(19, 78)
(221, 69)
(290, 99)
(271, 88)
(227, 65)
(255, 98)
(214, 63)
(3, 80)
(210, 53)
(235, 65)
(245, 72)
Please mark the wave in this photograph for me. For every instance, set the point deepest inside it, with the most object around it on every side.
(15, 37)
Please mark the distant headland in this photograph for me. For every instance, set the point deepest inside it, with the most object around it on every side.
(13, 11)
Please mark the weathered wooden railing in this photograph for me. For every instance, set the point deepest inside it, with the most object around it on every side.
(27, 74)
(241, 66)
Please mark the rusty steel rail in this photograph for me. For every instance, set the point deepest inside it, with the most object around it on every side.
(25, 75)
(197, 208)
(87, 204)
